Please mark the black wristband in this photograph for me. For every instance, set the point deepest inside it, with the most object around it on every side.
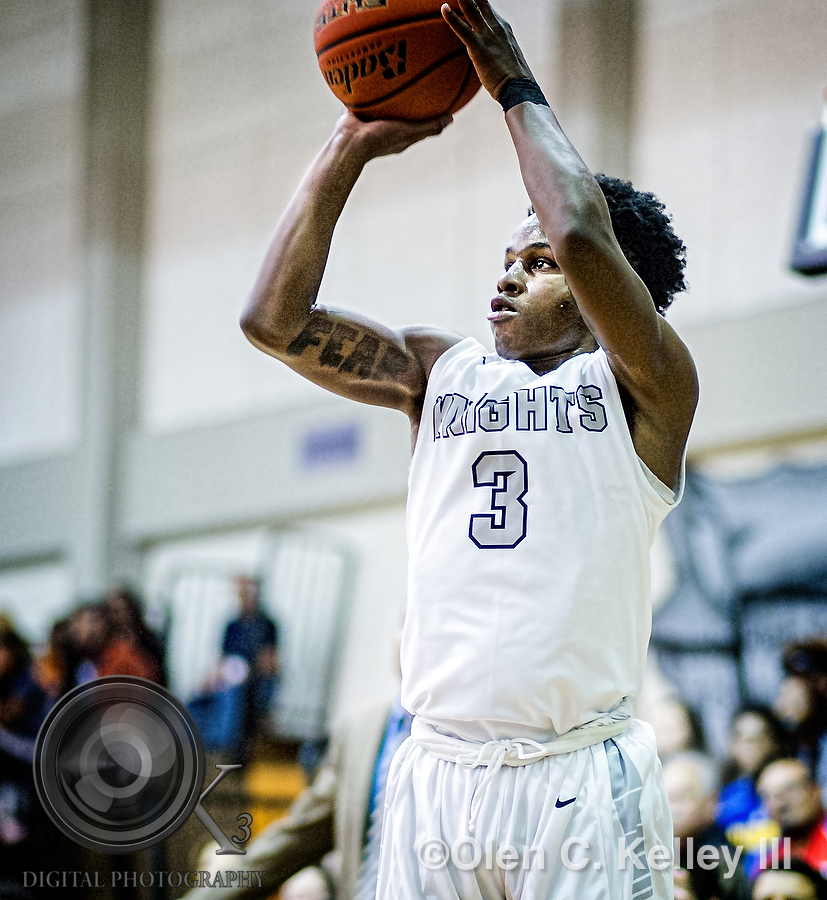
(521, 90)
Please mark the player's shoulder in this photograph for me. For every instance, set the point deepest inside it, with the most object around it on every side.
(427, 344)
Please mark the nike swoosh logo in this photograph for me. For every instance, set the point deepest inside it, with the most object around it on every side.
(560, 805)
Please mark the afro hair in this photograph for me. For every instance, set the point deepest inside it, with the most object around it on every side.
(644, 231)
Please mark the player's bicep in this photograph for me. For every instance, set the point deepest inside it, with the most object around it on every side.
(663, 384)
(647, 357)
(620, 313)
(612, 298)
(349, 355)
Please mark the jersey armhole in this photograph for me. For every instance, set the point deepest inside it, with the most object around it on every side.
(444, 358)
(670, 497)
(654, 488)
(435, 374)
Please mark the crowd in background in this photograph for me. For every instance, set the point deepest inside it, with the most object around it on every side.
(762, 808)
(109, 636)
(106, 637)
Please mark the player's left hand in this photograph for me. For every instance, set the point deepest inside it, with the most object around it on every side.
(491, 44)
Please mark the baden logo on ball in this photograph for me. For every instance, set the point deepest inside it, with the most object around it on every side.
(393, 59)
(119, 766)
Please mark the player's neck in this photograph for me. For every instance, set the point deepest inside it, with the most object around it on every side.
(542, 365)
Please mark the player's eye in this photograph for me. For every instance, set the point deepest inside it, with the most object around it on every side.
(542, 263)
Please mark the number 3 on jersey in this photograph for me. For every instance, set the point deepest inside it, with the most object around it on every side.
(505, 474)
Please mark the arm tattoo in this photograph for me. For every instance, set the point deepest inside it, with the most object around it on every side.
(361, 361)
(370, 357)
(393, 363)
(331, 357)
(310, 335)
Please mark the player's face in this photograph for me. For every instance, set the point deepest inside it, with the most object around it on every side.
(534, 316)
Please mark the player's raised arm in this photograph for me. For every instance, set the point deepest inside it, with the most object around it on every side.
(338, 350)
(648, 359)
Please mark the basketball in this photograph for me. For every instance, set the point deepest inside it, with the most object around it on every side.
(393, 59)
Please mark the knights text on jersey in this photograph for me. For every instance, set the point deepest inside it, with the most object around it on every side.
(530, 519)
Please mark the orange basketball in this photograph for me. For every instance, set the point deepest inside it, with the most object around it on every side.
(393, 59)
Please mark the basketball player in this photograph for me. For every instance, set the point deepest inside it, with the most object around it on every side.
(540, 473)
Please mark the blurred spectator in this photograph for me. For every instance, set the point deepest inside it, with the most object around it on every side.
(756, 736)
(23, 703)
(793, 800)
(131, 648)
(253, 635)
(676, 727)
(793, 702)
(23, 706)
(253, 639)
(88, 633)
(53, 670)
(683, 890)
(802, 704)
(109, 638)
(701, 846)
(797, 882)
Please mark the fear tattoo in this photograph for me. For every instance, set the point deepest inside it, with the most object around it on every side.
(367, 356)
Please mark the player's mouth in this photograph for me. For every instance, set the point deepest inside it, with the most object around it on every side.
(502, 309)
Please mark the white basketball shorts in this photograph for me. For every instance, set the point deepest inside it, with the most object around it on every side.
(592, 824)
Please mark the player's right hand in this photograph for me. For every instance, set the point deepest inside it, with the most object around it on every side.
(385, 137)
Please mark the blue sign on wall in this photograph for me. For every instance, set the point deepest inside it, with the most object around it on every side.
(330, 446)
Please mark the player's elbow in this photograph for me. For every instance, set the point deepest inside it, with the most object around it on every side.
(254, 327)
(249, 321)
(271, 329)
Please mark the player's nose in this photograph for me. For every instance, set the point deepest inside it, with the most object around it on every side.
(513, 281)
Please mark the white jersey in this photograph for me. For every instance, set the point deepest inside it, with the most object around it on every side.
(529, 519)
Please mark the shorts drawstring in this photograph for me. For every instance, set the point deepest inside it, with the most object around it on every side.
(514, 751)
(493, 754)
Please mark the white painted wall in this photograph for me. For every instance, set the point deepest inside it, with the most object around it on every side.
(729, 91)
(41, 106)
(35, 597)
(368, 674)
